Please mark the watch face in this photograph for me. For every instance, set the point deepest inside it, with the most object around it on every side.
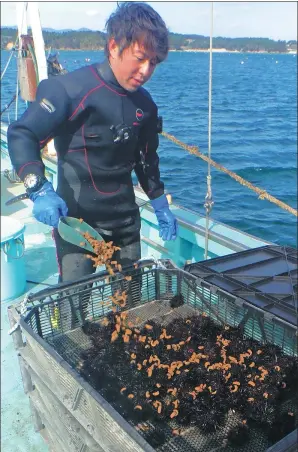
(31, 180)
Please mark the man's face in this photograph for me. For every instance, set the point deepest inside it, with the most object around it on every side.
(133, 67)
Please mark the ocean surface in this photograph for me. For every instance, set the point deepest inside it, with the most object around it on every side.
(254, 132)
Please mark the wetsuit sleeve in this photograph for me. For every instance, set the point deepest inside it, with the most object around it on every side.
(29, 134)
(148, 173)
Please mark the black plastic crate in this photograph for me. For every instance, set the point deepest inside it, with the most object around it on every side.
(265, 277)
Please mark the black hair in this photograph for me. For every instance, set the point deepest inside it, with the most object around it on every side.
(138, 22)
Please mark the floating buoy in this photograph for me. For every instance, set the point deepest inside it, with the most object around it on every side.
(9, 46)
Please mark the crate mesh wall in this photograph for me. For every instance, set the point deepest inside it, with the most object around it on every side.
(94, 418)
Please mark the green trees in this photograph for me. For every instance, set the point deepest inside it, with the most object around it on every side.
(95, 40)
(188, 42)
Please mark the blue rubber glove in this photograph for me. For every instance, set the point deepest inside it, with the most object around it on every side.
(48, 206)
(168, 225)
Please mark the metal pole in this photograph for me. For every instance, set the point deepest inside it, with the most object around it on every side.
(208, 198)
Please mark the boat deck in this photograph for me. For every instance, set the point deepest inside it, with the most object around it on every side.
(17, 432)
(41, 270)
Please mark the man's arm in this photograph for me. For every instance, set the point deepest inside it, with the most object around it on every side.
(147, 161)
(36, 127)
(147, 171)
(27, 136)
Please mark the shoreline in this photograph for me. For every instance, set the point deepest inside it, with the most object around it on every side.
(230, 51)
(291, 52)
(192, 51)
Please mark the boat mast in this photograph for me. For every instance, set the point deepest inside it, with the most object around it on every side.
(38, 40)
(40, 54)
(21, 20)
(22, 30)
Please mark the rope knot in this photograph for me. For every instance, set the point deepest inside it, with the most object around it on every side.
(262, 195)
(208, 205)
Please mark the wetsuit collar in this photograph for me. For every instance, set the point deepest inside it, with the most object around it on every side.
(105, 71)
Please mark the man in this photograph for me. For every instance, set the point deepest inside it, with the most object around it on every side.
(104, 125)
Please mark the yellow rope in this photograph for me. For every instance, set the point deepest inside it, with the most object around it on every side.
(262, 193)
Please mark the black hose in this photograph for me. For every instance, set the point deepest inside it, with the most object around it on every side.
(37, 282)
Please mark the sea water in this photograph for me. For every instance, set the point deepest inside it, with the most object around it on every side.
(254, 132)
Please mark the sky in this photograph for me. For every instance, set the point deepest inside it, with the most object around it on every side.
(275, 20)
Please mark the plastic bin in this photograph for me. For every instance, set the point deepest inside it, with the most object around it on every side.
(13, 275)
(264, 277)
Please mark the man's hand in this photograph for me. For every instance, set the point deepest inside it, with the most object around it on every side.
(168, 225)
(48, 206)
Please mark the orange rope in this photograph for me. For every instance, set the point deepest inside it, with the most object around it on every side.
(262, 193)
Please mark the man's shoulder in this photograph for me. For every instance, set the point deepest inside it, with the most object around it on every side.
(142, 91)
(147, 99)
(76, 82)
(77, 73)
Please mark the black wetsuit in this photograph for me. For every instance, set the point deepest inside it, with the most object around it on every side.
(78, 110)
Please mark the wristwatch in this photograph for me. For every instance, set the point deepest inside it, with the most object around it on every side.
(33, 182)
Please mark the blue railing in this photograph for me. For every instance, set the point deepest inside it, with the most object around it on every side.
(190, 243)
